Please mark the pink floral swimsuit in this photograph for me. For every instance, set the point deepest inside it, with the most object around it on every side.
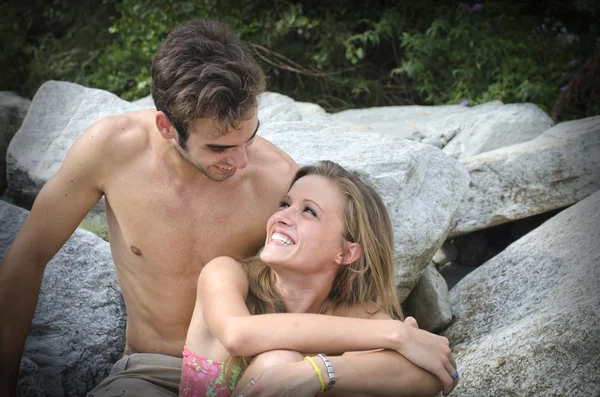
(202, 377)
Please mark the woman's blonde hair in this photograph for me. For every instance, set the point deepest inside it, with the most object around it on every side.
(369, 279)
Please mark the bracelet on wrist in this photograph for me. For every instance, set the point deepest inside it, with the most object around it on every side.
(317, 372)
(330, 372)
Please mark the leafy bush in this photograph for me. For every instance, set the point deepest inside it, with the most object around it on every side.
(339, 55)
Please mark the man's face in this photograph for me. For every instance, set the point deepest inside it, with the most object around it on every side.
(218, 157)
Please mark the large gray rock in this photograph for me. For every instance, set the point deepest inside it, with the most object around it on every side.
(313, 112)
(461, 131)
(496, 127)
(420, 185)
(78, 330)
(277, 107)
(554, 170)
(13, 109)
(429, 302)
(411, 122)
(59, 113)
(528, 320)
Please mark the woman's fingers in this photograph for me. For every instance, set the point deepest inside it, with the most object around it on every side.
(452, 373)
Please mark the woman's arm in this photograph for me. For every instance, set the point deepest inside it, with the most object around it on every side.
(222, 289)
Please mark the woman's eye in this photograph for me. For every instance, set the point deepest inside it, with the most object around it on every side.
(283, 204)
(310, 211)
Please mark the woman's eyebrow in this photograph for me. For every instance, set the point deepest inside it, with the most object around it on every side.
(317, 205)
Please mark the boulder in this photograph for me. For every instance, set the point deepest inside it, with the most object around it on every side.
(527, 320)
(277, 107)
(313, 112)
(420, 185)
(146, 102)
(59, 113)
(429, 302)
(13, 109)
(410, 122)
(78, 330)
(554, 170)
(491, 128)
(447, 253)
(460, 130)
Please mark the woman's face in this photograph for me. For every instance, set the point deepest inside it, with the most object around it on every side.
(305, 234)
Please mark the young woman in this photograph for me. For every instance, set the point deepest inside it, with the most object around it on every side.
(327, 264)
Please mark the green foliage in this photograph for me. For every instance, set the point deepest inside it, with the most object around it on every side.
(487, 55)
(339, 55)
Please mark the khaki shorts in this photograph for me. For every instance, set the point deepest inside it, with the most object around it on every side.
(142, 374)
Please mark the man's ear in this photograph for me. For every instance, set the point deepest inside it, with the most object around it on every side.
(349, 255)
(164, 126)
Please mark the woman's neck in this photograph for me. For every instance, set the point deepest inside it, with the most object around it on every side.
(302, 294)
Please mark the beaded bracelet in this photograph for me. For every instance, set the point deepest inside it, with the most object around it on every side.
(329, 371)
(317, 372)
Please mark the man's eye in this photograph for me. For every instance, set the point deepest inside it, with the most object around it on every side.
(217, 149)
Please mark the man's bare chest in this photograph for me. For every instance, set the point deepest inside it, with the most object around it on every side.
(167, 228)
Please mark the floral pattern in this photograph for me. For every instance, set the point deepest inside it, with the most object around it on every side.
(201, 377)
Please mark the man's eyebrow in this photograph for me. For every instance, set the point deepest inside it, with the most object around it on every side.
(217, 146)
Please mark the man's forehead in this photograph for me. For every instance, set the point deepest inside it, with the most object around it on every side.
(233, 136)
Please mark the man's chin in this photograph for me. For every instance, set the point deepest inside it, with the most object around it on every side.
(219, 176)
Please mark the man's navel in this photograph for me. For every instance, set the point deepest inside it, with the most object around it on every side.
(136, 250)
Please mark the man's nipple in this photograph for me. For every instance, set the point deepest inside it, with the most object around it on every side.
(136, 250)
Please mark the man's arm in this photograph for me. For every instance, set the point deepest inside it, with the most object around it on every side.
(58, 209)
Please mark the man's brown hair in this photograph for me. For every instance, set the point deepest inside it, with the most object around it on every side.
(204, 70)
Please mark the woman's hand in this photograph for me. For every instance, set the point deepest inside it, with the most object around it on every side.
(286, 380)
(428, 351)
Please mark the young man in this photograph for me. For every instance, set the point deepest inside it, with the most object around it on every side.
(183, 184)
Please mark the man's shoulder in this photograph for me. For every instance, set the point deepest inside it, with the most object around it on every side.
(124, 127)
(121, 136)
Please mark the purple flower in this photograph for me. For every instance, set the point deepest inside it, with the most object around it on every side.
(525, 94)
(564, 75)
(464, 103)
(573, 62)
(564, 88)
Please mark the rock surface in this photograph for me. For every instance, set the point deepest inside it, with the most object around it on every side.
(78, 330)
(496, 127)
(59, 113)
(554, 170)
(277, 107)
(528, 320)
(13, 109)
(462, 131)
(429, 302)
(419, 184)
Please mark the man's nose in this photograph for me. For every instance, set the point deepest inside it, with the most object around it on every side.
(239, 158)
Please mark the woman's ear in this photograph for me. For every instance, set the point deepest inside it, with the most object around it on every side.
(350, 254)
(164, 126)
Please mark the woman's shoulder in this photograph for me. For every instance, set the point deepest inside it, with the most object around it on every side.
(223, 266)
